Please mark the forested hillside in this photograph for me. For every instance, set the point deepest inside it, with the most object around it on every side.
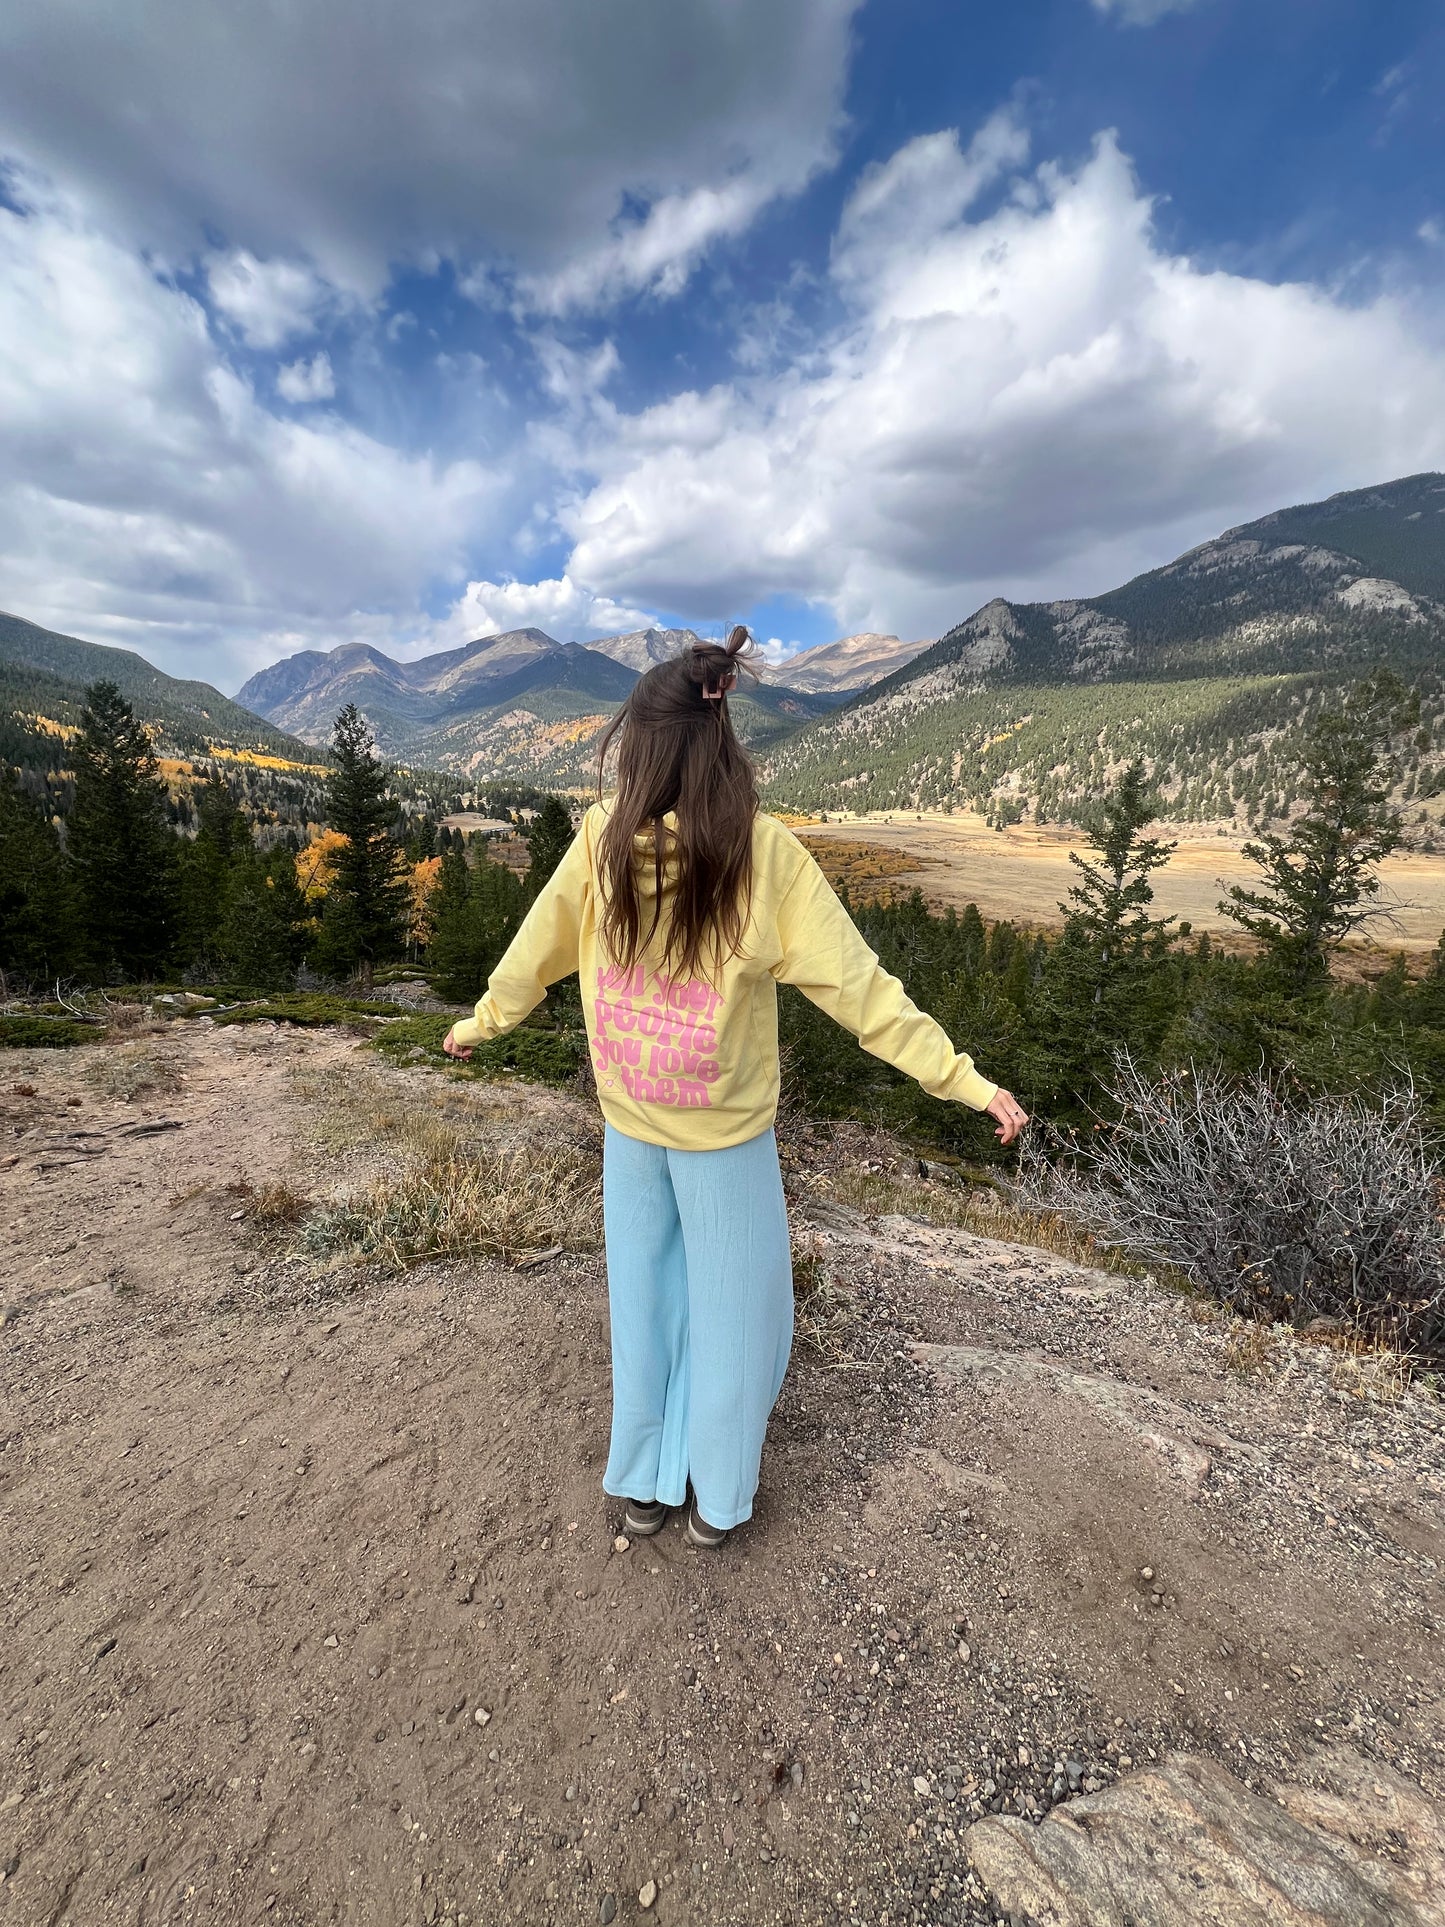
(199, 736)
(1208, 668)
(45, 674)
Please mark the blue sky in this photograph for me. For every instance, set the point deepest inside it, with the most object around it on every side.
(414, 324)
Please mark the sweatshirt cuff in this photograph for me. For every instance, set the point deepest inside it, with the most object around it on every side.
(468, 1032)
(973, 1090)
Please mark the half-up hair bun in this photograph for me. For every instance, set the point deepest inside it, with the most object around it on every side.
(714, 666)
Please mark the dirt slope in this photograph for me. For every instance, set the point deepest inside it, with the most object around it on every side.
(279, 1529)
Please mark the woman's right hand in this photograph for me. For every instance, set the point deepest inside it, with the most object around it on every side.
(1010, 1114)
(464, 1051)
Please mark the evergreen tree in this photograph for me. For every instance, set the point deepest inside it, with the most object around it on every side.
(452, 962)
(261, 937)
(37, 910)
(477, 910)
(548, 841)
(222, 837)
(119, 843)
(1107, 982)
(363, 921)
(1319, 882)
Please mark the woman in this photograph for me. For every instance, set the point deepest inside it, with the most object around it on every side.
(683, 907)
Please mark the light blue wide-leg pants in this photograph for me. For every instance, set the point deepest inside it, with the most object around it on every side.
(700, 1284)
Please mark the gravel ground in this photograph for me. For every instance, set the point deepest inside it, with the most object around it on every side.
(315, 1611)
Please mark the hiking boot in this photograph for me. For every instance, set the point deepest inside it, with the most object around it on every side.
(700, 1533)
(643, 1517)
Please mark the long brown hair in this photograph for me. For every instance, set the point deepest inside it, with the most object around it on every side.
(677, 750)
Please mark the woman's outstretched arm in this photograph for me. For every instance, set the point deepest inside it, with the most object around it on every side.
(543, 950)
(825, 957)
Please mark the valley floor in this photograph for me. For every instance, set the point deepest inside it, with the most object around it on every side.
(311, 1610)
(1024, 872)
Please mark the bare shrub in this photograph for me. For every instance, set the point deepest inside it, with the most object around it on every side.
(510, 1204)
(129, 1071)
(828, 1320)
(1284, 1208)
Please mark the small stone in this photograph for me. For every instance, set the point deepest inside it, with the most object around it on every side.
(570, 1794)
(1156, 1599)
(607, 1912)
(920, 1786)
(796, 1773)
(647, 1894)
(689, 1675)
(965, 1651)
(482, 1716)
(729, 1838)
(1146, 1572)
(637, 1804)
(331, 1640)
(621, 1543)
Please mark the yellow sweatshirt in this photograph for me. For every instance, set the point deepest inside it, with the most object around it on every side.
(693, 1064)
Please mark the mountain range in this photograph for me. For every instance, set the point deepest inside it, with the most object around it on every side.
(1207, 667)
(519, 704)
(828, 669)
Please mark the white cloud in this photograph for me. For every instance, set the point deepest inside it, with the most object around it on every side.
(1042, 399)
(659, 250)
(904, 203)
(303, 381)
(267, 302)
(595, 149)
(563, 607)
(571, 375)
(1142, 13)
(149, 497)
(775, 650)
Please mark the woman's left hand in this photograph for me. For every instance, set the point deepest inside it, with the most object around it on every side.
(1011, 1116)
(453, 1048)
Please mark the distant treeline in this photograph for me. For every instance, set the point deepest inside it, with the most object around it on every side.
(119, 866)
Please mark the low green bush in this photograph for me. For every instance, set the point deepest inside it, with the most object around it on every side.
(543, 1056)
(310, 1009)
(25, 1032)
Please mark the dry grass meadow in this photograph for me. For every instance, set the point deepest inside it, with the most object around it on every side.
(1023, 872)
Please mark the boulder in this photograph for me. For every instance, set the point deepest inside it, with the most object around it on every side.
(1186, 1844)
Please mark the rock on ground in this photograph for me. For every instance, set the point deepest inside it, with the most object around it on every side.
(1185, 1844)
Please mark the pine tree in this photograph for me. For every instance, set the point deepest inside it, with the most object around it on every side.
(453, 958)
(363, 921)
(37, 910)
(1107, 984)
(548, 841)
(476, 911)
(119, 843)
(222, 837)
(1319, 882)
(261, 937)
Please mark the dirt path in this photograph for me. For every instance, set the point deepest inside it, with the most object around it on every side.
(311, 1611)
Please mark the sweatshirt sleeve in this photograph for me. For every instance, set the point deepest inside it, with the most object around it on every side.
(826, 958)
(544, 949)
